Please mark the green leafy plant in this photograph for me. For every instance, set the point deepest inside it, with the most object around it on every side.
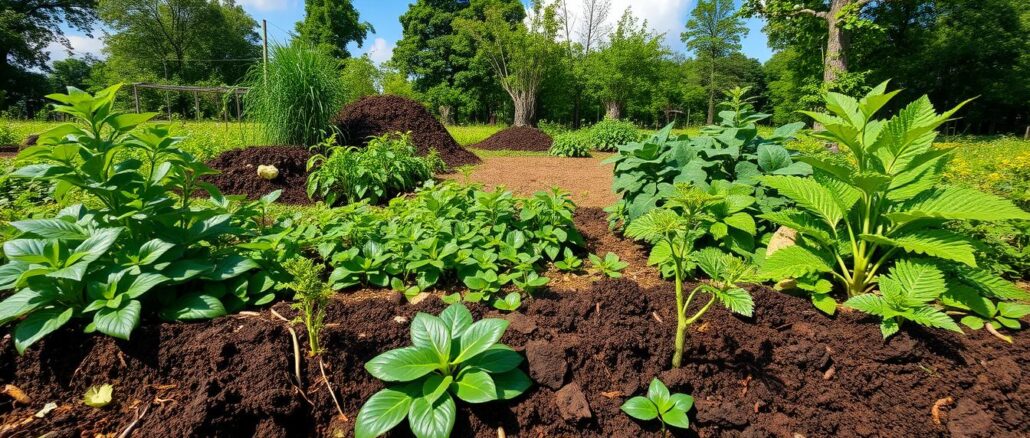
(451, 357)
(571, 144)
(569, 263)
(907, 293)
(610, 265)
(673, 232)
(607, 135)
(312, 295)
(725, 159)
(149, 231)
(385, 168)
(295, 96)
(449, 233)
(884, 205)
(670, 409)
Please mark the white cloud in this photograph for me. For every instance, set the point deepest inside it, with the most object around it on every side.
(81, 45)
(664, 16)
(265, 5)
(380, 51)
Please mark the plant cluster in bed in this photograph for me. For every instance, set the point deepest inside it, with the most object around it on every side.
(451, 357)
(607, 135)
(447, 232)
(571, 144)
(725, 161)
(885, 208)
(388, 166)
(149, 245)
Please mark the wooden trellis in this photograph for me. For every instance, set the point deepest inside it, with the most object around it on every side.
(196, 91)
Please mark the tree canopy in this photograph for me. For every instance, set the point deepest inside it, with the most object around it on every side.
(332, 24)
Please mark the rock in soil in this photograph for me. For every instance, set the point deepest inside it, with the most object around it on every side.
(239, 175)
(517, 139)
(572, 404)
(373, 116)
(547, 365)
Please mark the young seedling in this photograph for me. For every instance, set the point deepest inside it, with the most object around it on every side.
(673, 235)
(312, 296)
(670, 409)
(451, 357)
(570, 263)
(610, 265)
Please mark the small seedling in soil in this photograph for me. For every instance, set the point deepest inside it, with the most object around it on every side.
(98, 396)
(570, 263)
(670, 409)
(312, 296)
(451, 357)
(610, 265)
(673, 234)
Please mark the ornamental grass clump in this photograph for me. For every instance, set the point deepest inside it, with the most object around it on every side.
(885, 208)
(295, 99)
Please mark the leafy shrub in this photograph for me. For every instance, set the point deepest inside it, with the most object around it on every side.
(673, 231)
(387, 167)
(552, 129)
(571, 144)
(670, 409)
(449, 233)
(298, 97)
(607, 135)
(886, 208)
(451, 357)
(148, 233)
(7, 135)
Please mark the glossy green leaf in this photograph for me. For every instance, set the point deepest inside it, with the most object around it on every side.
(403, 364)
(382, 412)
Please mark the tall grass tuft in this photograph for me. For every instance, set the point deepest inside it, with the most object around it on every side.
(295, 104)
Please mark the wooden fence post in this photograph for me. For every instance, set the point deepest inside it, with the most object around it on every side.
(135, 97)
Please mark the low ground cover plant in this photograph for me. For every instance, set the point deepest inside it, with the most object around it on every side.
(610, 265)
(885, 207)
(660, 404)
(725, 161)
(607, 135)
(451, 357)
(571, 144)
(447, 233)
(148, 243)
(673, 231)
(388, 166)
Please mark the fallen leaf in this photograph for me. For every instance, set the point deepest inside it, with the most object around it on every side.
(17, 394)
(98, 396)
(611, 394)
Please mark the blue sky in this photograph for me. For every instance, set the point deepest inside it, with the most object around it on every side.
(668, 16)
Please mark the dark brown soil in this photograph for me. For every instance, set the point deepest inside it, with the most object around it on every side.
(788, 370)
(377, 115)
(517, 139)
(239, 176)
(9, 150)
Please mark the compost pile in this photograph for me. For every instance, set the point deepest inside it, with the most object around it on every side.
(522, 138)
(239, 174)
(373, 116)
(787, 371)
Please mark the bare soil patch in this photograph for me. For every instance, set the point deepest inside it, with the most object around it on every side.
(377, 115)
(592, 344)
(586, 179)
(238, 172)
(517, 139)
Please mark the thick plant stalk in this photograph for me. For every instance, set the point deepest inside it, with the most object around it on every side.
(681, 320)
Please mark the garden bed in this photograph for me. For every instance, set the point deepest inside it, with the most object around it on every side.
(788, 370)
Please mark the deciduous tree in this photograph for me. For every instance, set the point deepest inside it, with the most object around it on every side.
(332, 24)
(713, 33)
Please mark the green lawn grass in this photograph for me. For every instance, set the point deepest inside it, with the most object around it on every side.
(468, 135)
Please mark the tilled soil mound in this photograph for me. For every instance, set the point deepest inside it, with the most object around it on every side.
(239, 176)
(517, 139)
(377, 115)
(789, 370)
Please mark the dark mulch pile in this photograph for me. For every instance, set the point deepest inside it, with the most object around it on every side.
(788, 370)
(9, 150)
(239, 176)
(377, 115)
(517, 139)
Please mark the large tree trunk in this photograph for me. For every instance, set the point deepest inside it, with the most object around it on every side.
(835, 61)
(612, 110)
(525, 106)
(446, 115)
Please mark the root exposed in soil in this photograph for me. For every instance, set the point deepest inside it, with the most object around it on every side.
(377, 115)
(239, 176)
(603, 340)
(517, 139)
